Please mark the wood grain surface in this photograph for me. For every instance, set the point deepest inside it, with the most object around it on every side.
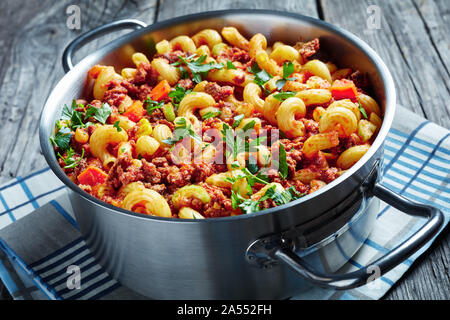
(413, 40)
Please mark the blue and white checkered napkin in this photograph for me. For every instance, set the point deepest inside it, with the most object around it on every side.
(40, 239)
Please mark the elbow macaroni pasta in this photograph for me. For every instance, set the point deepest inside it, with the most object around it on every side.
(287, 113)
(215, 124)
(148, 202)
(100, 139)
(209, 37)
(234, 37)
(194, 101)
(166, 71)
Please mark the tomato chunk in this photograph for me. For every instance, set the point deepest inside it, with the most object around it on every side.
(135, 112)
(161, 90)
(95, 71)
(344, 89)
(92, 176)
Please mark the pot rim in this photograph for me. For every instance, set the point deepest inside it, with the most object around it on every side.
(389, 110)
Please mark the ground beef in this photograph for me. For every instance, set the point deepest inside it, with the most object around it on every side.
(202, 171)
(172, 56)
(308, 49)
(145, 74)
(160, 188)
(115, 94)
(360, 79)
(150, 172)
(220, 204)
(329, 175)
(132, 89)
(186, 83)
(123, 172)
(316, 162)
(160, 162)
(155, 116)
(144, 91)
(236, 54)
(311, 126)
(219, 93)
(178, 176)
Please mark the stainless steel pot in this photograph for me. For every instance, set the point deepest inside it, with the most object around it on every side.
(275, 253)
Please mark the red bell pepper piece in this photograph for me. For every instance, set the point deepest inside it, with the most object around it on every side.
(135, 111)
(344, 89)
(92, 176)
(95, 71)
(161, 90)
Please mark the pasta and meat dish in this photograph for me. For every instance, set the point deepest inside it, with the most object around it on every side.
(216, 125)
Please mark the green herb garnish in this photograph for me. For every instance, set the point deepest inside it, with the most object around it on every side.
(284, 95)
(230, 65)
(211, 115)
(102, 113)
(237, 120)
(178, 94)
(116, 125)
(62, 138)
(362, 110)
(152, 105)
(250, 205)
(261, 76)
(198, 68)
(182, 129)
(283, 168)
(288, 69)
(69, 160)
(249, 125)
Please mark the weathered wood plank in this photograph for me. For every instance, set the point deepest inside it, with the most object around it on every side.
(35, 38)
(429, 277)
(422, 85)
(403, 43)
(168, 9)
(435, 16)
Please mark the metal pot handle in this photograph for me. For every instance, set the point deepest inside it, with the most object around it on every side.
(284, 253)
(81, 40)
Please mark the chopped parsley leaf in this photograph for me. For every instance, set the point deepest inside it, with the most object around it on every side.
(362, 110)
(62, 138)
(102, 113)
(288, 69)
(116, 125)
(178, 94)
(211, 114)
(282, 164)
(249, 125)
(198, 68)
(237, 120)
(261, 76)
(284, 95)
(152, 105)
(69, 160)
(182, 129)
(230, 65)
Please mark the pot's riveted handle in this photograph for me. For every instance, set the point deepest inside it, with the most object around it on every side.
(95, 33)
(285, 254)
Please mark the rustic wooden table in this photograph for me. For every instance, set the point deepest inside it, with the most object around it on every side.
(413, 38)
